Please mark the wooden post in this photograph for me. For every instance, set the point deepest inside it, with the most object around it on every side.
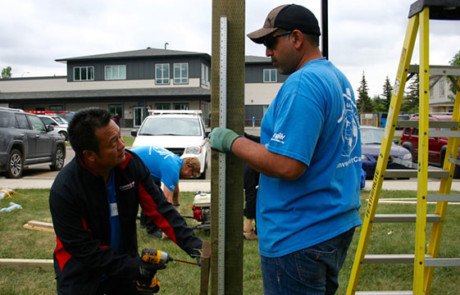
(234, 10)
(205, 267)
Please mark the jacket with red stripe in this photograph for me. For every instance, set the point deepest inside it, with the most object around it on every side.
(80, 213)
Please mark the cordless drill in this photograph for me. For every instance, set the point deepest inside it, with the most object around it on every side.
(152, 260)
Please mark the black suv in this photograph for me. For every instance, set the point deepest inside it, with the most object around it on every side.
(26, 141)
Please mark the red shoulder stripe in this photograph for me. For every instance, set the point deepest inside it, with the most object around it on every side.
(150, 209)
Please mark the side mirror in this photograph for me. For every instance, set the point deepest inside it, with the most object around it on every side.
(134, 132)
(49, 128)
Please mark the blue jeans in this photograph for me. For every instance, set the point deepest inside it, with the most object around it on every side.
(312, 271)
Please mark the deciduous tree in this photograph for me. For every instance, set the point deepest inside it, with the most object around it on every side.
(6, 73)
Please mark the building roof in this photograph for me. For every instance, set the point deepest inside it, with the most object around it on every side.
(142, 53)
(257, 59)
(154, 92)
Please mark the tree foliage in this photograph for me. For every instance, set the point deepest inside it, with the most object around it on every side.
(453, 85)
(364, 102)
(411, 99)
(382, 102)
(6, 73)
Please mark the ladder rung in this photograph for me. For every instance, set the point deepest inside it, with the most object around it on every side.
(444, 133)
(442, 262)
(432, 124)
(389, 258)
(393, 218)
(438, 70)
(403, 173)
(384, 292)
(443, 198)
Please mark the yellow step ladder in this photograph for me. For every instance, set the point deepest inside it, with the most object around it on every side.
(424, 258)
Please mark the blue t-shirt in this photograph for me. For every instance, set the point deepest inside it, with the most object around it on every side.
(314, 120)
(163, 165)
(113, 214)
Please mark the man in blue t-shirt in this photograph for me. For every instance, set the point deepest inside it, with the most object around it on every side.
(166, 169)
(309, 159)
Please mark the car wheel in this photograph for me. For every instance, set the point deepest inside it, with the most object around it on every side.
(59, 158)
(15, 164)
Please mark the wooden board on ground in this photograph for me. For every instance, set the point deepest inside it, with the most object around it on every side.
(26, 262)
(40, 226)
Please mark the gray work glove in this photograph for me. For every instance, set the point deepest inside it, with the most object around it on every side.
(221, 139)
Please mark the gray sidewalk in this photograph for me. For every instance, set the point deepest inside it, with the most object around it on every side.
(205, 185)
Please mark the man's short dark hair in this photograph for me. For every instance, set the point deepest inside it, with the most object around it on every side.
(82, 129)
(314, 39)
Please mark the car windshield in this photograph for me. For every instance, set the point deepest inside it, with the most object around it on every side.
(60, 120)
(171, 126)
(371, 135)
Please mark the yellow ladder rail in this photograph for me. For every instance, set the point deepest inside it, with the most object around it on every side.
(425, 257)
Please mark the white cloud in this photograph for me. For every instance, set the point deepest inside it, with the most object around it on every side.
(363, 36)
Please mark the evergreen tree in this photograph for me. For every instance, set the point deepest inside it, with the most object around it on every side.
(382, 102)
(386, 95)
(411, 99)
(364, 102)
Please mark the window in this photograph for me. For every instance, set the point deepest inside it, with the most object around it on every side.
(83, 73)
(204, 75)
(22, 121)
(162, 74)
(181, 73)
(162, 106)
(115, 72)
(116, 109)
(269, 75)
(181, 106)
(37, 124)
(56, 107)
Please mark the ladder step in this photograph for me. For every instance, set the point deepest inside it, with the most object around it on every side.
(442, 262)
(445, 133)
(432, 124)
(409, 258)
(384, 292)
(389, 258)
(394, 218)
(443, 198)
(400, 173)
(454, 161)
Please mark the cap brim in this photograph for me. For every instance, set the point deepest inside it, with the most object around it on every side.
(260, 35)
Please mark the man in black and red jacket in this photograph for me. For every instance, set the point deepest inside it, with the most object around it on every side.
(94, 202)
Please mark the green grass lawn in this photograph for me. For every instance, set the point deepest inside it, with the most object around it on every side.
(177, 278)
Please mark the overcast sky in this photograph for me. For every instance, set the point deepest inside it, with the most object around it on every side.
(364, 36)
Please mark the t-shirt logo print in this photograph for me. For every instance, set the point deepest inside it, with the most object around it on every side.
(351, 125)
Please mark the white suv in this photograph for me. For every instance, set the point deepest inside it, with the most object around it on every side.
(60, 125)
(181, 132)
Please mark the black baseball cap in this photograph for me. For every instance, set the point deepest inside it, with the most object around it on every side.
(287, 17)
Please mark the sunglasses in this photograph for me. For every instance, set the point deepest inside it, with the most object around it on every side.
(271, 41)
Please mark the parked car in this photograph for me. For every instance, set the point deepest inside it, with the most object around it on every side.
(371, 140)
(436, 145)
(25, 141)
(181, 132)
(59, 124)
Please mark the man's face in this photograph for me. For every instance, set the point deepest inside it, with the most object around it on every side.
(188, 172)
(279, 47)
(111, 147)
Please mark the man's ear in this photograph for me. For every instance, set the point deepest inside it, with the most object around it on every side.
(298, 38)
(89, 155)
